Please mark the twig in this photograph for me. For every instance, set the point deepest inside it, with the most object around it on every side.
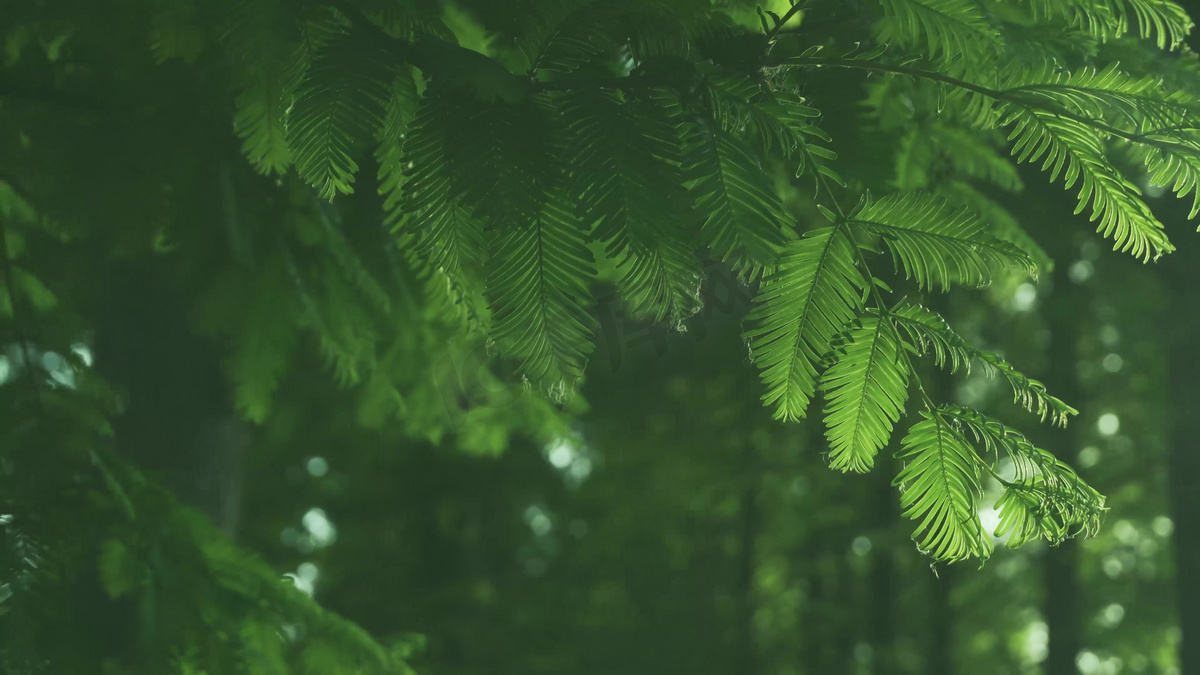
(787, 16)
(999, 94)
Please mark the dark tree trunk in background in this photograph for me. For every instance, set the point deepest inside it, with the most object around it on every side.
(940, 651)
(1183, 383)
(881, 597)
(1061, 608)
(1183, 375)
(828, 627)
(1067, 304)
(746, 657)
(177, 421)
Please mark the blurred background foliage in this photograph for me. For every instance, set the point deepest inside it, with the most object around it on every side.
(658, 522)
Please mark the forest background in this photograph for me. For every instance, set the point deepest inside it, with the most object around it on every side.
(435, 336)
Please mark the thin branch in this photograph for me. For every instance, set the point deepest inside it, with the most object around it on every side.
(623, 83)
(787, 16)
(998, 94)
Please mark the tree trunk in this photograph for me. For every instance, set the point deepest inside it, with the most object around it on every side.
(1062, 611)
(882, 582)
(940, 652)
(177, 421)
(1183, 375)
(746, 657)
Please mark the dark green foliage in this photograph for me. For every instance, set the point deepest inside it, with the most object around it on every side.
(539, 276)
(339, 106)
(512, 161)
(936, 244)
(622, 184)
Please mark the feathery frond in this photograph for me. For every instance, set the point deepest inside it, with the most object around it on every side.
(813, 293)
(958, 31)
(402, 105)
(439, 155)
(1076, 151)
(865, 389)
(1045, 499)
(265, 62)
(595, 33)
(261, 328)
(516, 166)
(775, 120)
(1137, 104)
(936, 243)
(176, 32)
(1164, 20)
(538, 284)
(743, 215)
(799, 137)
(940, 489)
(965, 153)
(628, 193)
(1175, 168)
(1167, 21)
(930, 333)
(339, 107)
(260, 118)
(1001, 222)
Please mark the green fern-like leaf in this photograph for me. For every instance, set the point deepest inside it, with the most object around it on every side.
(263, 351)
(865, 389)
(1100, 19)
(266, 60)
(401, 110)
(351, 266)
(930, 333)
(628, 191)
(956, 30)
(743, 214)
(566, 39)
(1076, 151)
(578, 35)
(339, 107)
(773, 120)
(255, 311)
(1045, 499)
(538, 282)
(440, 154)
(1175, 167)
(813, 293)
(260, 119)
(1165, 21)
(1137, 104)
(517, 161)
(1001, 222)
(330, 308)
(936, 243)
(940, 489)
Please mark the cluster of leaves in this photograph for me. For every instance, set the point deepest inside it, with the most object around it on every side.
(625, 140)
(75, 510)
